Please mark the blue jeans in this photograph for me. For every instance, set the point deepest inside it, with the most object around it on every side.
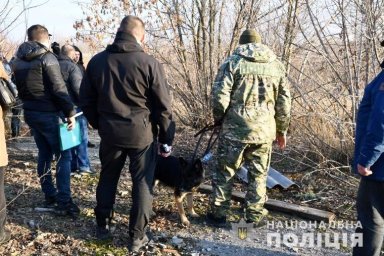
(46, 134)
(80, 160)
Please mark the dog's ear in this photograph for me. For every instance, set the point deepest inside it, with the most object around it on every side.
(183, 162)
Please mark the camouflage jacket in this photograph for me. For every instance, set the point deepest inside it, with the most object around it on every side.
(252, 92)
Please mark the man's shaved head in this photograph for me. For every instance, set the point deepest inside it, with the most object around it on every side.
(68, 50)
(37, 33)
(133, 25)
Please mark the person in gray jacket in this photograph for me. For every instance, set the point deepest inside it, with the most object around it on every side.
(73, 76)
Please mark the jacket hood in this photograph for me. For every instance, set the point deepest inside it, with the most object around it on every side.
(255, 52)
(30, 50)
(64, 57)
(124, 42)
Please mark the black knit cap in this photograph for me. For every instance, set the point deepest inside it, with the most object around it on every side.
(249, 36)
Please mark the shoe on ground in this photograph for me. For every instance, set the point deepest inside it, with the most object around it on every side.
(218, 222)
(136, 243)
(91, 145)
(69, 208)
(5, 237)
(50, 202)
(87, 172)
(103, 233)
(74, 172)
(259, 221)
(257, 224)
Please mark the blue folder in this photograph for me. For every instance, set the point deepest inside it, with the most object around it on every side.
(69, 139)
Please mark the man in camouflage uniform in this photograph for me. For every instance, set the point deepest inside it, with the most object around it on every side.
(251, 102)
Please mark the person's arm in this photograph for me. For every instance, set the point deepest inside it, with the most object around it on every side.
(162, 105)
(88, 99)
(283, 107)
(221, 91)
(373, 144)
(74, 80)
(282, 112)
(57, 85)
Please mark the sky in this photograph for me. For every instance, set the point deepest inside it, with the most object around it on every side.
(57, 16)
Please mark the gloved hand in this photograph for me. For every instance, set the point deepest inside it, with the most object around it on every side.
(164, 150)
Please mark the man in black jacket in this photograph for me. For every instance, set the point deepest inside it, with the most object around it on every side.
(73, 76)
(125, 96)
(45, 98)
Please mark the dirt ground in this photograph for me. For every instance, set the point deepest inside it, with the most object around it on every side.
(42, 233)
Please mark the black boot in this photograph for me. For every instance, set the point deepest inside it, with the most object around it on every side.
(215, 221)
(68, 208)
(103, 229)
(103, 233)
(137, 243)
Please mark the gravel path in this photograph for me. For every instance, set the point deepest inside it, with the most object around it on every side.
(200, 239)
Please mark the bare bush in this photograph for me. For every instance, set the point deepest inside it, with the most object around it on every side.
(329, 48)
(335, 56)
(191, 38)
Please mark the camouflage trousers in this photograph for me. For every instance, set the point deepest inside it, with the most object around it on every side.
(231, 155)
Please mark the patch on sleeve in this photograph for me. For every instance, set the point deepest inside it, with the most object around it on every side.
(381, 88)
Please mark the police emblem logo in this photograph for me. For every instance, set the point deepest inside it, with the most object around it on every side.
(242, 232)
(242, 229)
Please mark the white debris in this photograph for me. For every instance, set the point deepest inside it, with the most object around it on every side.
(124, 193)
(31, 224)
(176, 240)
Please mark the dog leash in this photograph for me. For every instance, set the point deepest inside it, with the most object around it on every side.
(211, 141)
(206, 128)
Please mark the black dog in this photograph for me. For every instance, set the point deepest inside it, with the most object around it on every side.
(184, 178)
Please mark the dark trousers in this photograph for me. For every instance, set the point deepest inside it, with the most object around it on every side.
(370, 212)
(142, 166)
(3, 210)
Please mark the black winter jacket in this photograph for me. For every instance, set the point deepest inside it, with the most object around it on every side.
(72, 76)
(38, 79)
(124, 94)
